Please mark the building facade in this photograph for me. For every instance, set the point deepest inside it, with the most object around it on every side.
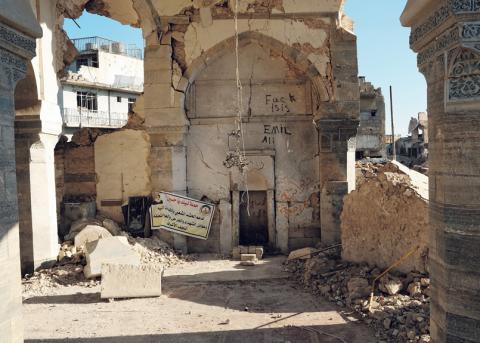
(102, 84)
(371, 131)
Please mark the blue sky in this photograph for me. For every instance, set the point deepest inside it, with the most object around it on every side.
(384, 56)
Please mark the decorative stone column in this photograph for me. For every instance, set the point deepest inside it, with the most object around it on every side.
(166, 124)
(446, 35)
(17, 46)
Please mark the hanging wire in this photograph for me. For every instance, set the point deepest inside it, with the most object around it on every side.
(238, 157)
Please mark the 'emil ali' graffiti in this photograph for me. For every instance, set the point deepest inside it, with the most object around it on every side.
(280, 104)
(270, 131)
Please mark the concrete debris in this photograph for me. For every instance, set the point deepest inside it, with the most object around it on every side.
(79, 225)
(390, 284)
(384, 218)
(303, 254)
(114, 250)
(401, 317)
(90, 233)
(112, 227)
(130, 281)
(252, 249)
(69, 269)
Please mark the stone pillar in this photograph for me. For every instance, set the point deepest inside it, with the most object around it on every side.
(17, 46)
(334, 137)
(166, 123)
(446, 35)
(36, 193)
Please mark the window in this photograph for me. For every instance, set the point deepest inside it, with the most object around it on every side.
(131, 102)
(89, 61)
(82, 62)
(87, 100)
(119, 99)
(374, 113)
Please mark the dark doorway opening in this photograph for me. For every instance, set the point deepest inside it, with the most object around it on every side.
(253, 218)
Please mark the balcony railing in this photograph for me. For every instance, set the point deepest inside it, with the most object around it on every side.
(103, 44)
(82, 117)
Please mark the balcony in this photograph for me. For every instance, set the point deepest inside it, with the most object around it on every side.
(102, 44)
(82, 117)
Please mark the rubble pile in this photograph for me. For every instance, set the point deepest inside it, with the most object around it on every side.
(69, 270)
(155, 251)
(385, 218)
(400, 308)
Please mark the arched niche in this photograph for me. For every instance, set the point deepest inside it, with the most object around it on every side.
(279, 99)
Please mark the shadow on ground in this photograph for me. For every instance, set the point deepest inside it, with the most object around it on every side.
(317, 334)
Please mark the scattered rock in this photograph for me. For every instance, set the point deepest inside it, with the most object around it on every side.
(358, 288)
(349, 284)
(303, 254)
(390, 285)
(414, 289)
(90, 233)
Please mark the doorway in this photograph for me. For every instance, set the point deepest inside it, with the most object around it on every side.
(253, 218)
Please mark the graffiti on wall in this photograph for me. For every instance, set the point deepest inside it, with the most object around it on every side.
(270, 131)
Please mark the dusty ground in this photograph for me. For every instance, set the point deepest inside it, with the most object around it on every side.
(203, 301)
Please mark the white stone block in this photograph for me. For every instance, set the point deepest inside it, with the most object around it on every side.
(130, 281)
(112, 250)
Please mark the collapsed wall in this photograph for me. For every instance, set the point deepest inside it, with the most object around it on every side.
(384, 219)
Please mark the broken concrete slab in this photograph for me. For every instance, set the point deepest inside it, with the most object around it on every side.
(90, 233)
(131, 281)
(304, 254)
(112, 250)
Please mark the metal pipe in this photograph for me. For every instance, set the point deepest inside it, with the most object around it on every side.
(393, 126)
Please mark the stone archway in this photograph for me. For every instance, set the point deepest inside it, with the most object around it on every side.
(280, 97)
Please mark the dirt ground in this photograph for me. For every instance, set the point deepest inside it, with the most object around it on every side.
(204, 301)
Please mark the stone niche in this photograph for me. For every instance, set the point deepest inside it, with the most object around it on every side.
(280, 142)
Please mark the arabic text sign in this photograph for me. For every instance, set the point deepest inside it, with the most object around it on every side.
(182, 215)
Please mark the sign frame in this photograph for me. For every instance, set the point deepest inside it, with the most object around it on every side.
(167, 228)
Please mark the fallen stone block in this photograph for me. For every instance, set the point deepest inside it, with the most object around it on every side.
(90, 233)
(303, 254)
(251, 249)
(236, 253)
(259, 252)
(243, 249)
(112, 250)
(248, 257)
(130, 281)
(358, 288)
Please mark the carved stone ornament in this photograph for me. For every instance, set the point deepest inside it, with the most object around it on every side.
(464, 76)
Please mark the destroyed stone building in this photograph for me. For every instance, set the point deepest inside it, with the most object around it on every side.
(371, 130)
(267, 85)
(413, 149)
